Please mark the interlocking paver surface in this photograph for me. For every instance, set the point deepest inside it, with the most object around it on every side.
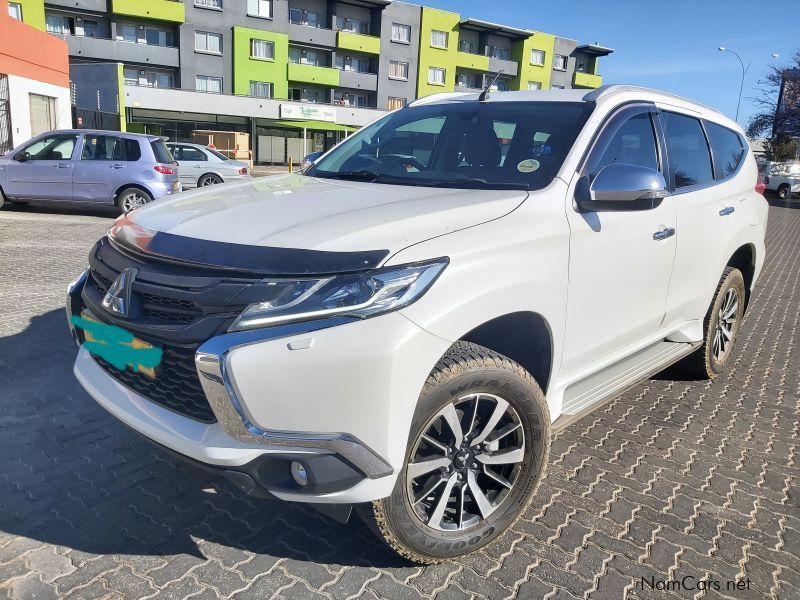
(674, 479)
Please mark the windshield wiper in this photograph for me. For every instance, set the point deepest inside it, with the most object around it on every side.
(358, 175)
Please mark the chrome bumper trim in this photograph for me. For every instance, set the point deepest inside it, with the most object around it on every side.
(211, 363)
(72, 303)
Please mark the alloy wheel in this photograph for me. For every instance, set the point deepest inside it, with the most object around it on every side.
(726, 321)
(133, 200)
(466, 462)
(209, 180)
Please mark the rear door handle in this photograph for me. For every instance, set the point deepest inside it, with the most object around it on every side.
(117, 166)
(62, 166)
(726, 211)
(664, 233)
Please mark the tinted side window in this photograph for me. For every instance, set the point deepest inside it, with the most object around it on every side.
(189, 153)
(100, 147)
(54, 147)
(160, 152)
(634, 143)
(728, 149)
(688, 150)
(132, 150)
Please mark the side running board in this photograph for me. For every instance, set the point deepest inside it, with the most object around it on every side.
(584, 396)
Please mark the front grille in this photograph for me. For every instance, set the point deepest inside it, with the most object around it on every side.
(176, 386)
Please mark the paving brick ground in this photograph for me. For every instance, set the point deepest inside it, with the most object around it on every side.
(675, 479)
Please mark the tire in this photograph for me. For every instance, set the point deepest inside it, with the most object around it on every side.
(2, 199)
(209, 179)
(709, 361)
(132, 198)
(470, 384)
(784, 191)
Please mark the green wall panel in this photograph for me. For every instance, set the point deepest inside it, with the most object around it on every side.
(163, 10)
(247, 69)
(521, 52)
(347, 40)
(33, 13)
(312, 74)
(431, 56)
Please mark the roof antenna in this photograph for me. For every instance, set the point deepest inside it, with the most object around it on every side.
(485, 92)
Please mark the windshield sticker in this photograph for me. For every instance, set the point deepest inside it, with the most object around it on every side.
(529, 165)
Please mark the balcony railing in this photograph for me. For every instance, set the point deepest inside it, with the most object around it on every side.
(162, 10)
(587, 80)
(358, 42)
(325, 76)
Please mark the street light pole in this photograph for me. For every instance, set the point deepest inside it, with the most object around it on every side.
(745, 69)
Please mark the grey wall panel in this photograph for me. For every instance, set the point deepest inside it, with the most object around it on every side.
(405, 14)
(117, 51)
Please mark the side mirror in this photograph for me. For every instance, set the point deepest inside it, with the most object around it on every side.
(22, 156)
(622, 186)
(308, 160)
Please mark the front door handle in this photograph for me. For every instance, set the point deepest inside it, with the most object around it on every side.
(726, 211)
(62, 166)
(117, 166)
(664, 233)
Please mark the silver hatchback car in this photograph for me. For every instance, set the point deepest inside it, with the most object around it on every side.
(82, 165)
(201, 166)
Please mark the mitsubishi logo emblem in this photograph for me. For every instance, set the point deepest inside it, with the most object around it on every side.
(118, 297)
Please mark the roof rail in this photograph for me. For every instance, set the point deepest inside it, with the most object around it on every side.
(618, 88)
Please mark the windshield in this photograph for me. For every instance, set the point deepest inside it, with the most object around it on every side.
(479, 145)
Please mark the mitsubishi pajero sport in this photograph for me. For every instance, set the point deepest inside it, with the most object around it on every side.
(403, 327)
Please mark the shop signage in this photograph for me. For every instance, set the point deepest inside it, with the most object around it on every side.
(314, 113)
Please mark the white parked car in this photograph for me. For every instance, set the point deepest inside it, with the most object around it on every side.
(405, 326)
(200, 166)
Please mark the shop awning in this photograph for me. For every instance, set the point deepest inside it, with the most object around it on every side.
(315, 125)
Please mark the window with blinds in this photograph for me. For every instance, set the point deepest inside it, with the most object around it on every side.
(401, 33)
(260, 89)
(395, 103)
(436, 75)
(438, 38)
(398, 70)
(43, 114)
(262, 49)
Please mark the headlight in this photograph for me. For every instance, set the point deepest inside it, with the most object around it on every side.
(359, 296)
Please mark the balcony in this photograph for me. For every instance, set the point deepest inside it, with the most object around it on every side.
(326, 76)
(119, 51)
(587, 80)
(100, 6)
(358, 81)
(509, 68)
(162, 10)
(474, 62)
(347, 40)
(306, 34)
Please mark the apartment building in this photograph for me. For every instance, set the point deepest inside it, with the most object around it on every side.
(286, 69)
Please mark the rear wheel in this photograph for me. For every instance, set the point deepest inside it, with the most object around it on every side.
(2, 199)
(722, 324)
(132, 198)
(784, 191)
(477, 450)
(209, 179)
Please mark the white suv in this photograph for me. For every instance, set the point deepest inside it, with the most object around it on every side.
(405, 326)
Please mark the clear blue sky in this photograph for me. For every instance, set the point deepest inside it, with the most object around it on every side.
(669, 45)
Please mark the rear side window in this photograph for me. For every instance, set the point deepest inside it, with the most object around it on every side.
(161, 152)
(132, 150)
(727, 147)
(689, 158)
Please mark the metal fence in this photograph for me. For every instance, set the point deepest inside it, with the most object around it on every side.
(5, 117)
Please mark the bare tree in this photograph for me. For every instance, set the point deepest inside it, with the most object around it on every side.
(781, 129)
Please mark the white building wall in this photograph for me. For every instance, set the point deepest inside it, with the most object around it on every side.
(19, 89)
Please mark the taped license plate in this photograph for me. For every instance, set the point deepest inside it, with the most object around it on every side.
(103, 345)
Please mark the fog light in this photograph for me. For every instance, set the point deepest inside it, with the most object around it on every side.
(299, 473)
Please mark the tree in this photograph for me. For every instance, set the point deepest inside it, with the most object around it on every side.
(778, 117)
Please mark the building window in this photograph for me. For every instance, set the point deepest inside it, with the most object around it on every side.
(159, 79)
(398, 70)
(438, 38)
(436, 75)
(300, 56)
(353, 25)
(352, 63)
(129, 34)
(501, 85)
(537, 57)
(215, 4)
(349, 99)
(466, 46)
(208, 42)
(560, 62)
(466, 80)
(206, 83)
(15, 10)
(303, 95)
(262, 49)
(158, 37)
(534, 85)
(130, 75)
(557, 87)
(259, 8)
(309, 18)
(43, 114)
(395, 103)
(401, 33)
(497, 52)
(59, 24)
(580, 67)
(260, 89)
(91, 28)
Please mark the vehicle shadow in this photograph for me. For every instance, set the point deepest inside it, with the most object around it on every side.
(787, 203)
(52, 207)
(73, 476)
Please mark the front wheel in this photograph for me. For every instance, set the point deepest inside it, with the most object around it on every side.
(477, 449)
(132, 198)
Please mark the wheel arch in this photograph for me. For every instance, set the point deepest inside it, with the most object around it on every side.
(525, 337)
(125, 186)
(744, 259)
(214, 173)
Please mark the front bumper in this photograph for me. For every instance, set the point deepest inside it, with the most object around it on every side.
(315, 392)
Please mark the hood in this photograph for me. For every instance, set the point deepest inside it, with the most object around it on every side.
(327, 216)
